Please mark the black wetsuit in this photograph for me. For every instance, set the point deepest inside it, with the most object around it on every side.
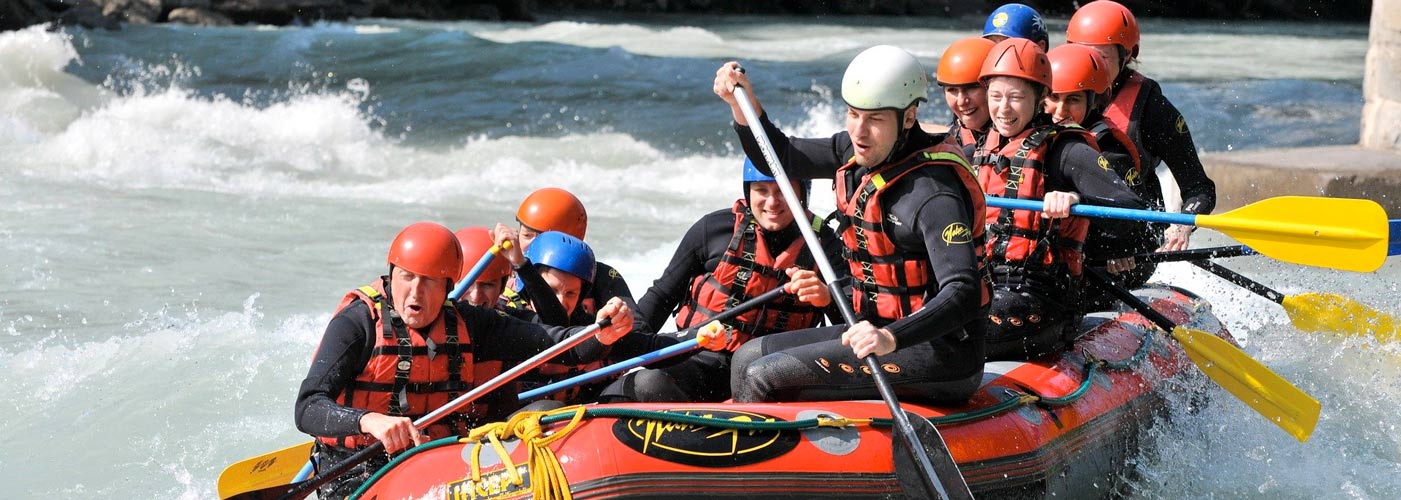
(345, 350)
(939, 356)
(1164, 135)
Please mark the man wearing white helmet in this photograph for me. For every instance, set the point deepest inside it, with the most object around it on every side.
(909, 208)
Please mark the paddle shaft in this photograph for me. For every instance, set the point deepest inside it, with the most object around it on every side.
(1195, 254)
(903, 428)
(302, 489)
(1239, 279)
(1097, 211)
(651, 357)
(477, 269)
(1132, 300)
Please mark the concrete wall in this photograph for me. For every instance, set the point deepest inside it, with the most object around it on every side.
(1381, 116)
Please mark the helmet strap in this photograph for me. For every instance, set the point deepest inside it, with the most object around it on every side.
(389, 290)
(901, 137)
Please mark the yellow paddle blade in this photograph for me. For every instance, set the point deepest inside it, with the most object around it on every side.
(263, 471)
(1263, 390)
(1330, 312)
(1339, 233)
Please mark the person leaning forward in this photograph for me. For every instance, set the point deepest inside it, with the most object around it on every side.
(908, 207)
(364, 385)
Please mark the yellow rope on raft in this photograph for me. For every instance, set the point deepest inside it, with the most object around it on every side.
(547, 481)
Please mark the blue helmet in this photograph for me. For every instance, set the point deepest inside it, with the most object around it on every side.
(1015, 20)
(563, 252)
(752, 174)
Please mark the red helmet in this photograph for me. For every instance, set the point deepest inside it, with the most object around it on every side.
(962, 61)
(475, 242)
(1104, 23)
(427, 249)
(1017, 58)
(1076, 68)
(554, 209)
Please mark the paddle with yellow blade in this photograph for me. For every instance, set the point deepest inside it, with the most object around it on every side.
(290, 464)
(1293, 229)
(262, 471)
(1310, 311)
(1247, 379)
(1318, 312)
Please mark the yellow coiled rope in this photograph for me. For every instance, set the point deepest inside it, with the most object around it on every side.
(547, 481)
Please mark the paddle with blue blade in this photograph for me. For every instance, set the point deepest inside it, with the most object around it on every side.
(937, 472)
(1289, 228)
(1256, 385)
(290, 465)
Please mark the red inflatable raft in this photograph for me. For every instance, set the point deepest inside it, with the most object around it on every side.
(1062, 426)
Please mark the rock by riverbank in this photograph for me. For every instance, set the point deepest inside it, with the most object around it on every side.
(16, 14)
(1243, 177)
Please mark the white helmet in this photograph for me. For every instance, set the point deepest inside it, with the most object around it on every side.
(884, 77)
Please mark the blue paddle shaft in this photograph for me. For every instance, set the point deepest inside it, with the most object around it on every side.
(1097, 211)
(1395, 247)
(472, 275)
(304, 473)
(656, 355)
(584, 378)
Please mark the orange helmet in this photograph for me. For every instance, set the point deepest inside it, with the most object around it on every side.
(1017, 58)
(554, 209)
(475, 242)
(1104, 22)
(1076, 68)
(427, 249)
(962, 61)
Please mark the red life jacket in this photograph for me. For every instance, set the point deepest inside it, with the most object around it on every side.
(1125, 114)
(889, 283)
(749, 269)
(407, 375)
(1021, 238)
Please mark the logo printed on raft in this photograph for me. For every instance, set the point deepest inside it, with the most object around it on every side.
(705, 446)
(493, 485)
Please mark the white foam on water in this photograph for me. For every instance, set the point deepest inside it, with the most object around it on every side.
(152, 402)
(773, 40)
